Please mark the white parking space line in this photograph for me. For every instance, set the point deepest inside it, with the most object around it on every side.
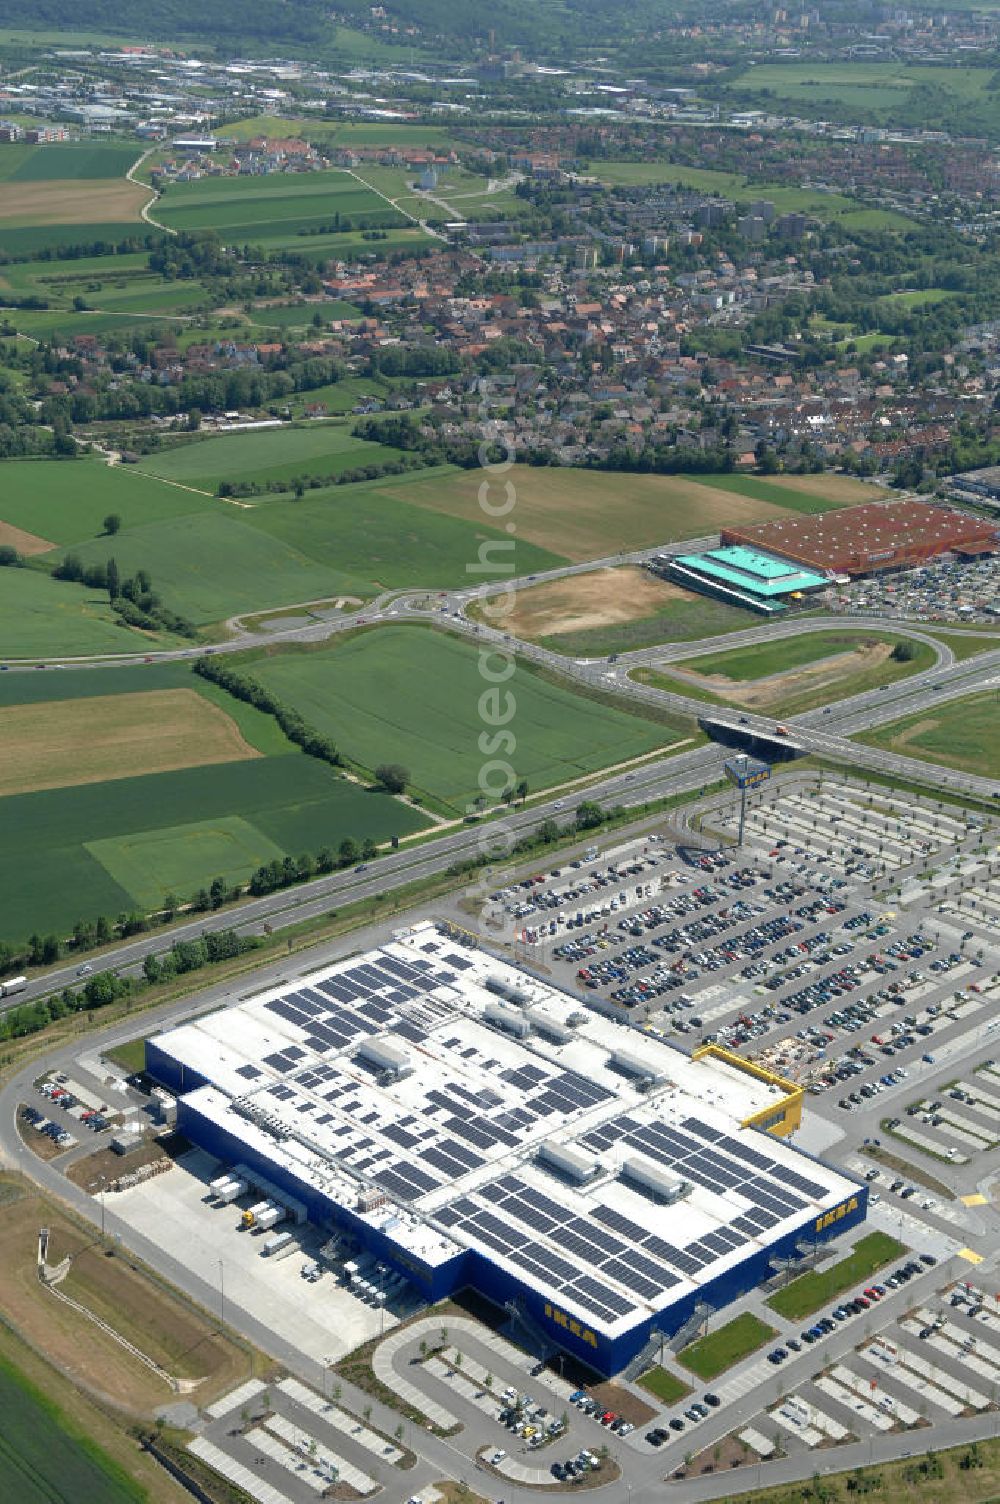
(236, 1398)
(340, 1420)
(845, 1396)
(873, 1391)
(226, 1467)
(757, 1441)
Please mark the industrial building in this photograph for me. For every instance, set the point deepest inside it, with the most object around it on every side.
(742, 576)
(471, 1125)
(868, 539)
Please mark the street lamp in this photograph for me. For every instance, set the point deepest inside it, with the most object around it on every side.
(103, 1179)
(222, 1295)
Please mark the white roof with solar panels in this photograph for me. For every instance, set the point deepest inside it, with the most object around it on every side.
(600, 1166)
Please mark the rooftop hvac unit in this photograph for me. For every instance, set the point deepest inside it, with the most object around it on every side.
(505, 1018)
(632, 1065)
(646, 1177)
(569, 1162)
(369, 1200)
(550, 1027)
(384, 1056)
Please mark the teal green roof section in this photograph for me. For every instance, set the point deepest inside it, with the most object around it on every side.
(757, 574)
(765, 566)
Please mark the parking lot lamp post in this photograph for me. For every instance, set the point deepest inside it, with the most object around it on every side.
(222, 1295)
(104, 1185)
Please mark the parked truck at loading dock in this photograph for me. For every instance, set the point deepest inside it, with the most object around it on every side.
(270, 1218)
(231, 1191)
(278, 1245)
(249, 1217)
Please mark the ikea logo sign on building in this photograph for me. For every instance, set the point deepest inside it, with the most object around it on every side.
(571, 1324)
(828, 1218)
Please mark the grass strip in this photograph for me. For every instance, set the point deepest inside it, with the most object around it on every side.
(810, 1291)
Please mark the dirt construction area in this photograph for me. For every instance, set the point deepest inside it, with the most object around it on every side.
(605, 597)
(762, 694)
(58, 743)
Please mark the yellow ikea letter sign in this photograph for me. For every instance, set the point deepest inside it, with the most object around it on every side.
(571, 1324)
(828, 1218)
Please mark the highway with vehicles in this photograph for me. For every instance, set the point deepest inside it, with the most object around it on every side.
(827, 731)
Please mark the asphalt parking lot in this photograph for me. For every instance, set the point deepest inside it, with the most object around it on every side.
(939, 591)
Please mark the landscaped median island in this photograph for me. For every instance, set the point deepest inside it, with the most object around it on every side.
(729, 1344)
(797, 673)
(810, 1291)
(961, 734)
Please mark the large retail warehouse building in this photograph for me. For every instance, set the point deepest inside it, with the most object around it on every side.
(473, 1126)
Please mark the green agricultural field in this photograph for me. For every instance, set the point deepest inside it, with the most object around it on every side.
(260, 730)
(712, 1355)
(287, 316)
(54, 279)
(211, 565)
(281, 203)
(66, 501)
(149, 863)
(212, 559)
(873, 92)
(28, 240)
(340, 397)
(74, 853)
(787, 200)
(595, 514)
(42, 618)
(74, 159)
(410, 695)
(960, 734)
(147, 298)
(44, 1459)
(55, 323)
(783, 493)
(810, 1291)
(274, 454)
(372, 541)
(343, 245)
(13, 156)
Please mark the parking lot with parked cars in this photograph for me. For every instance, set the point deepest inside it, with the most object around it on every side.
(941, 590)
(956, 1122)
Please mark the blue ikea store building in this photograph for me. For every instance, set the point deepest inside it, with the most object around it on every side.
(471, 1126)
